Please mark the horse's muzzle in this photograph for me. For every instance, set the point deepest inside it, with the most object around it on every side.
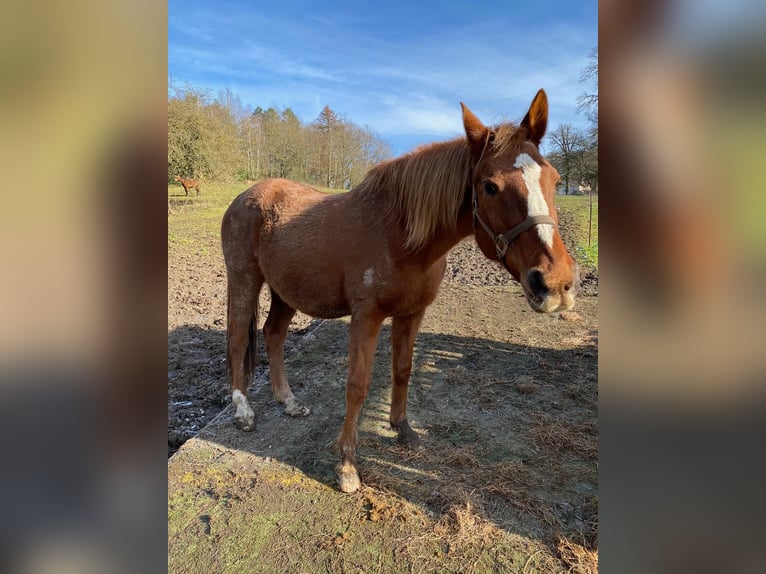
(547, 296)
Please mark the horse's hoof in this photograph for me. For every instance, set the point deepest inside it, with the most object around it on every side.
(410, 439)
(246, 424)
(406, 436)
(348, 478)
(295, 408)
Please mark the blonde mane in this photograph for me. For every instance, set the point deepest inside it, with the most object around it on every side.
(426, 187)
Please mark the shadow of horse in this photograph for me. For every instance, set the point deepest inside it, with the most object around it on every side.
(508, 431)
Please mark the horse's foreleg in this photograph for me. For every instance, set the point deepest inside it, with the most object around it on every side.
(275, 332)
(403, 332)
(363, 337)
(240, 345)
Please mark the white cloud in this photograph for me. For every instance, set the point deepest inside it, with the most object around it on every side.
(423, 116)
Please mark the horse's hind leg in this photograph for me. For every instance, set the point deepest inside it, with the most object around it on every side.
(275, 332)
(403, 332)
(240, 342)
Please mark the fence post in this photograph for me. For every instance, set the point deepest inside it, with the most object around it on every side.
(590, 213)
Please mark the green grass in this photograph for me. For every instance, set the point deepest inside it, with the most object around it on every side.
(194, 222)
(577, 208)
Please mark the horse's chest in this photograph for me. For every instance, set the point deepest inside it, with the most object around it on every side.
(410, 292)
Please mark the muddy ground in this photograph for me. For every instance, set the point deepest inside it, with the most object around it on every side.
(505, 401)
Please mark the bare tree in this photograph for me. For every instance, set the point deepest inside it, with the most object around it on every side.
(327, 125)
(588, 101)
(231, 102)
(569, 144)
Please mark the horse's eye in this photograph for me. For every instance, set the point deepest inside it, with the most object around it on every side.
(490, 188)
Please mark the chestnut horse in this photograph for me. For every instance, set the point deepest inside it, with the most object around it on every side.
(188, 183)
(380, 251)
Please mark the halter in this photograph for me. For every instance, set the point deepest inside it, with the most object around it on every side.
(503, 240)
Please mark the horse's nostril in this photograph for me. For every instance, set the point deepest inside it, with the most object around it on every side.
(537, 283)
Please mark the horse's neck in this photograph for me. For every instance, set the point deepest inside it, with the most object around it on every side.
(444, 240)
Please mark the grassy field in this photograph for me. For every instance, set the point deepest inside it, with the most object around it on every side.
(195, 221)
(577, 209)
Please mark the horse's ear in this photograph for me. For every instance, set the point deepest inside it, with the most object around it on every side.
(536, 120)
(475, 131)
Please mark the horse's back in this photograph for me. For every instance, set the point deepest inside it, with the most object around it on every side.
(273, 229)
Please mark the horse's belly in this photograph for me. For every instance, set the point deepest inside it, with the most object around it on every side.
(313, 293)
(321, 308)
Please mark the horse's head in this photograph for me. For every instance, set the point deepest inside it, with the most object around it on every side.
(177, 178)
(515, 219)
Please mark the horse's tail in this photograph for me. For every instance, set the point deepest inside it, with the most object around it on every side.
(243, 286)
(251, 351)
(229, 366)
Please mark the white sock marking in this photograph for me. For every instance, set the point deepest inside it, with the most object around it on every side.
(243, 408)
(536, 204)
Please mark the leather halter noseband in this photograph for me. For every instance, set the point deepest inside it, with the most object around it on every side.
(503, 240)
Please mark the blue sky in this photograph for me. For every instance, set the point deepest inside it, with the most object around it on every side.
(400, 68)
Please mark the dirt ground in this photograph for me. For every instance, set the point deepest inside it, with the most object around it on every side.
(505, 401)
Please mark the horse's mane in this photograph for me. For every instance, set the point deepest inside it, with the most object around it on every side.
(426, 187)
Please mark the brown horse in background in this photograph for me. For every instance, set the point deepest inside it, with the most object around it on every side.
(380, 251)
(188, 183)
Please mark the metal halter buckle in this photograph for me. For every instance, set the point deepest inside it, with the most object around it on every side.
(501, 245)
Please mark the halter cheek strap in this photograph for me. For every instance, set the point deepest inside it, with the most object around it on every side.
(503, 240)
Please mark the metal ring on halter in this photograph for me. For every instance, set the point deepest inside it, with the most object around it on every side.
(501, 245)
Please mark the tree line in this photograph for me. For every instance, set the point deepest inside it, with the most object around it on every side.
(575, 156)
(219, 139)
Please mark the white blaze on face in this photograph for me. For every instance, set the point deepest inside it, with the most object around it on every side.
(536, 204)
